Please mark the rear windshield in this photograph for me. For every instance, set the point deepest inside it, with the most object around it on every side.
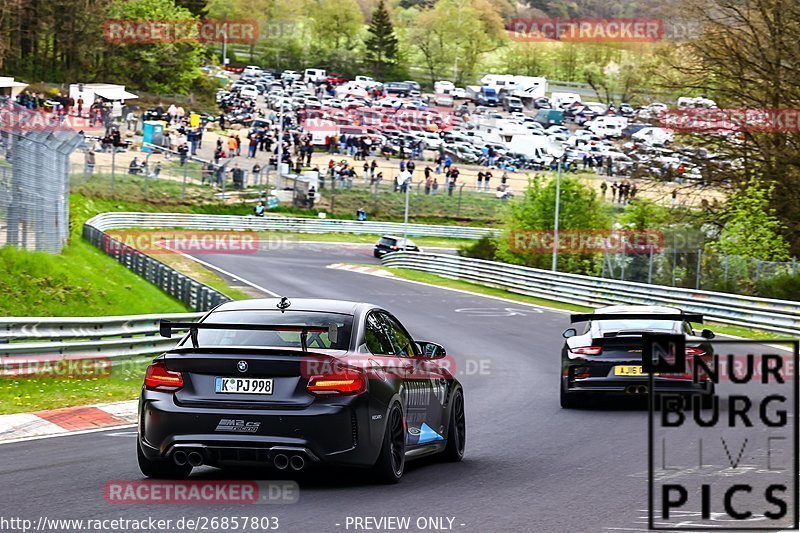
(610, 326)
(387, 241)
(220, 337)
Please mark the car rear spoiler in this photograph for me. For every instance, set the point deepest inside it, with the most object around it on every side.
(166, 328)
(590, 317)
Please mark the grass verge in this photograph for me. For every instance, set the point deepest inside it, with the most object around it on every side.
(22, 395)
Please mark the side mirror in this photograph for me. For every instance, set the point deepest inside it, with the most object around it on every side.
(571, 332)
(431, 350)
(707, 334)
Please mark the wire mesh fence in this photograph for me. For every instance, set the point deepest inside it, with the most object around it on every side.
(34, 180)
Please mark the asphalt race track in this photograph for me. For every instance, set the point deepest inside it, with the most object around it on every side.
(529, 465)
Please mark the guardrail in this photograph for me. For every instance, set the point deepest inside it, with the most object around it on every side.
(106, 221)
(194, 294)
(112, 336)
(780, 316)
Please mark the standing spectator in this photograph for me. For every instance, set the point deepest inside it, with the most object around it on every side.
(428, 180)
(131, 119)
(90, 162)
(453, 177)
(238, 145)
(312, 195)
(256, 173)
(603, 189)
(252, 146)
(486, 177)
(614, 189)
(504, 181)
(410, 167)
(480, 181)
(448, 162)
(438, 161)
(674, 197)
(435, 186)
(372, 168)
(366, 172)
(231, 147)
(156, 169)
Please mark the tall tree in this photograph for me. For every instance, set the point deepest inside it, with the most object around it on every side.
(381, 44)
(747, 58)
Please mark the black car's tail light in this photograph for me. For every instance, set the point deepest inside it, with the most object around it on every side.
(581, 372)
(158, 378)
(341, 382)
(587, 350)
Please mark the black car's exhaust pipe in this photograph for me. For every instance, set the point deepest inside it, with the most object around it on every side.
(297, 463)
(195, 458)
(179, 458)
(641, 389)
(630, 389)
(281, 461)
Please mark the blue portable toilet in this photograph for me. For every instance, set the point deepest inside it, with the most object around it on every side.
(153, 133)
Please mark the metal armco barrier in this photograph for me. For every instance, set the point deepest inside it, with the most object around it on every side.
(780, 316)
(194, 294)
(106, 221)
(112, 336)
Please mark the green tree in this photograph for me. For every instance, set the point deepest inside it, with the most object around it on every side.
(750, 227)
(580, 209)
(168, 67)
(381, 44)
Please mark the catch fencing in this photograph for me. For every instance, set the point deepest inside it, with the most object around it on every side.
(34, 180)
(780, 316)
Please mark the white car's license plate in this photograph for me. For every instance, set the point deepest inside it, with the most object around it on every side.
(243, 386)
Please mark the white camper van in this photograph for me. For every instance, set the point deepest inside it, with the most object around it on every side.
(562, 100)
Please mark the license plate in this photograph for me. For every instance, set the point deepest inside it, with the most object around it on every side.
(628, 371)
(243, 386)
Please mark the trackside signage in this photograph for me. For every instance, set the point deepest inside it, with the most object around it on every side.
(725, 456)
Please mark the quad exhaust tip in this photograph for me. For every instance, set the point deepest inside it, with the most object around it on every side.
(195, 458)
(636, 389)
(297, 463)
(180, 458)
(281, 461)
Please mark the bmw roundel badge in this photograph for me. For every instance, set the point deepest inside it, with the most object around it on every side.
(242, 366)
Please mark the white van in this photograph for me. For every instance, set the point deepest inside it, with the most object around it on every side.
(443, 87)
(314, 75)
(251, 70)
(653, 136)
(562, 100)
(608, 126)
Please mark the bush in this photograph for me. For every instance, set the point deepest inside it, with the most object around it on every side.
(784, 286)
(483, 248)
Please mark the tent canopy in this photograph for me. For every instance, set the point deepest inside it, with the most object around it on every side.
(114, 93)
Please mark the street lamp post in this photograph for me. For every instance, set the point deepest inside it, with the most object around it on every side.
(407, 185)
(558, 207)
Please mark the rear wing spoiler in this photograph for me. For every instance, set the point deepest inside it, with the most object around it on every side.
(166, 328)
(589, 317)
